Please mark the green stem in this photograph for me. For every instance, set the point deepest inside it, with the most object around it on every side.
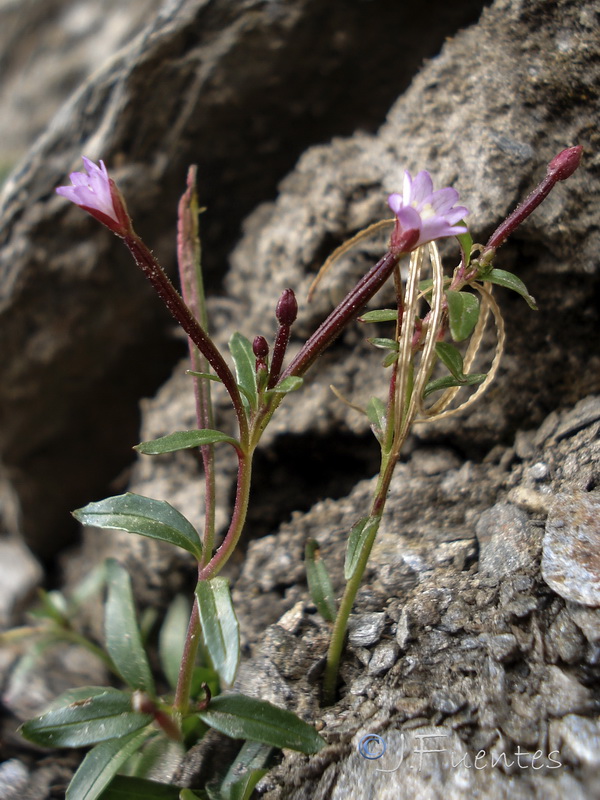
(188, 660)
(238, 519)
(338, 636)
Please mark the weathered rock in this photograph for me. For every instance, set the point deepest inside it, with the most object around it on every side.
(571, 548)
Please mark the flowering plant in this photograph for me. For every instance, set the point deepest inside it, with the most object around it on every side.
(133, 729)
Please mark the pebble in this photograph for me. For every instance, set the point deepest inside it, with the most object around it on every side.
(505, 544)
(384, 657)
(365, 629)
(571, 547)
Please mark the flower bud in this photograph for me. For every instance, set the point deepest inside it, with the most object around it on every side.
(565, 163)
(260, 347)
(287, 308)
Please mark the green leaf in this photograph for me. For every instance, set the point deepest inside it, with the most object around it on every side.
(511, 281)
(245, 772)
(377, 416)
(427, 285)
(54, 606)
(156, 751)
(319, 583)
(101, 764)
(219, 627)
(452, 358)
(183, 440)
(465, 241)
(381, 315)
(244, 717)
(463, 313)
(449, 380)
(125, 787)
(390, 359)
(384, 344)
(171, 639)
(86, 721)
(357, 540)
(155, 519)
(245, 367)
(206, 375)
(121, 631)
(287, 385)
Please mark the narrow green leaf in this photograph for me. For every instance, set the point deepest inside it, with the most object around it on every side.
(377, 416)
(381, 315)
(390, 359)
(219, 627)
(319, 582)
(451, 357)
(449, 380)
(245, 772)
(54, 606)
(244, 717)
(171, 639)
(206, 375)
(463, 312)
(184, 440)
(121, 631)
(155, 519)
(86, 721)
(101, 764)
(511, 281)
(245, 367)
(383, 343)
(359, 535)
(244, 788)
(465, 241)
(287, 385)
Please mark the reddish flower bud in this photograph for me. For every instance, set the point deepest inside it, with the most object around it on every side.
(565, 163)
(260, 347)
(287, 308)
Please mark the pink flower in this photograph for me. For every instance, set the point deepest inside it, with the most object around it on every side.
(432, 214)
(96, 193)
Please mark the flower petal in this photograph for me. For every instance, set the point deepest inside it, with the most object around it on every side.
(422, 187)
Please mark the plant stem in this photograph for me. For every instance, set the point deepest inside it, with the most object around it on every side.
(238, 518)
(188, 659)
(174, 302)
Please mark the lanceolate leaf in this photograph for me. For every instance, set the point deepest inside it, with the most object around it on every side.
(287, 385)
(219, 627)
(183, 440)
(245, 367)
(384, 344)
(463, 312)
(123, 639)
(245, 772)
(450, 380)
(171, 639)
(381, 315)
(244, 717)
(465, 241)
(101, 764)
(451, 357)
(136, 514)
(319, 583)
(357, 540)
(511, 281)
(377, 416)
(86, 721)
